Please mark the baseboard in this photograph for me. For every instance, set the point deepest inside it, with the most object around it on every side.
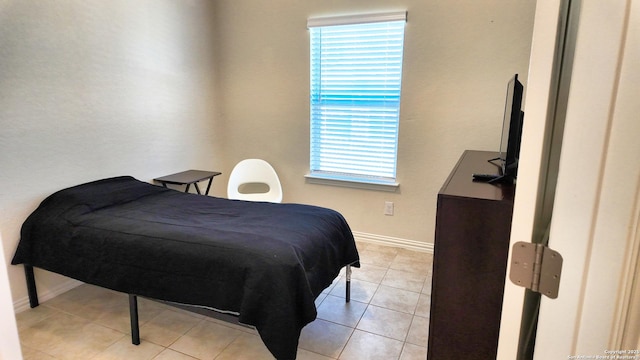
(393, 241)
(23, 304)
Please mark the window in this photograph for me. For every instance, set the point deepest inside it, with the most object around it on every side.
(356, 73)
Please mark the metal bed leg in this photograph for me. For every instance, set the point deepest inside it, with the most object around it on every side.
(133, 314)
(31, 286)
(348, 294)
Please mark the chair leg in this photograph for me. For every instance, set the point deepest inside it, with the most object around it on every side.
(133, 314)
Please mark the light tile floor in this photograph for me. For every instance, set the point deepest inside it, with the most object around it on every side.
(387, 318)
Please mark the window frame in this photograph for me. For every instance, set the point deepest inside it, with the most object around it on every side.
(317, 176)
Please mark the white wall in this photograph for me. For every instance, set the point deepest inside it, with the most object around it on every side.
(458, 58)
(93, 89)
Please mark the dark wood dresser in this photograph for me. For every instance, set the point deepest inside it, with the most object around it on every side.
(473, 223)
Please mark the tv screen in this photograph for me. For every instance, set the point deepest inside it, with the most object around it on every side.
(509, 153)
(511, 128)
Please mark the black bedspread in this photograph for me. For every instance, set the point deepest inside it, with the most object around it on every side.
(267, 262)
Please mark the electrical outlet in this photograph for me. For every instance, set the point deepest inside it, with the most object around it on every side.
(388, 208)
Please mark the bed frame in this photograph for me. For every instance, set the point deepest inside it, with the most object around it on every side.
(133, 303)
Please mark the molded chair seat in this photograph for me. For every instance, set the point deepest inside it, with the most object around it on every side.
(254, 171)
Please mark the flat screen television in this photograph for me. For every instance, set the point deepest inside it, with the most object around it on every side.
(511, 129)
(512, 121)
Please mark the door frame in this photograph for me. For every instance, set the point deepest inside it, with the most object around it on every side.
(595, 207)
(539, 107)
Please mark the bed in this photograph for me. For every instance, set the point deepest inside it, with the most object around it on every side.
(264, 262)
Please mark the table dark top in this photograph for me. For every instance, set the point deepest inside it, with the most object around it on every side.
(187, 177)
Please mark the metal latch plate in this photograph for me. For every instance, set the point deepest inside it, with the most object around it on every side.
(536, 267)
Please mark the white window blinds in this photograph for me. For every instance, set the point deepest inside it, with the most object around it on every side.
(356, 73)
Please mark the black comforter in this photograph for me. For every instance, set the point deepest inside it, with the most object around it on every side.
(267, 262)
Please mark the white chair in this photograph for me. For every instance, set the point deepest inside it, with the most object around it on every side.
(254, 171)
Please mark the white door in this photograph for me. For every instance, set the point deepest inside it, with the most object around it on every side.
(597, 198)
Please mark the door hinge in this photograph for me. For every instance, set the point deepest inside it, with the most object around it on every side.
(536, 267)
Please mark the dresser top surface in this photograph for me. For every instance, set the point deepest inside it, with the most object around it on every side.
(460, 182)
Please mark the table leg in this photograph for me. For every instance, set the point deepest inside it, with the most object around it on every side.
(209, 185)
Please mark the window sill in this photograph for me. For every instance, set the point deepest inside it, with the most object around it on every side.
(357, 184)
